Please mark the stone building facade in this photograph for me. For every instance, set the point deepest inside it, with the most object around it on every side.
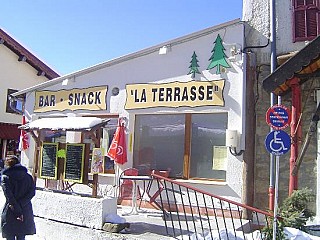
(257, 16)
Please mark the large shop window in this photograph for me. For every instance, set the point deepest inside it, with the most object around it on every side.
(306, 22)
(183, 143)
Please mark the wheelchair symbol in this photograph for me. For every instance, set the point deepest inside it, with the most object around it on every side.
(278, 142)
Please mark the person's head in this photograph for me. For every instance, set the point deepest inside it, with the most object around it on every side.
(11, 161)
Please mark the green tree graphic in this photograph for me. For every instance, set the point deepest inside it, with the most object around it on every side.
(194, 65)
(218, 57)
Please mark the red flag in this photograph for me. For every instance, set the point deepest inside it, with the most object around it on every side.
(118, 149)
(24, 138)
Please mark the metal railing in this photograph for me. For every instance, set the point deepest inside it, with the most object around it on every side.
(192, 212)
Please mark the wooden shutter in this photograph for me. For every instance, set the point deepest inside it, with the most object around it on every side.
(305, 19)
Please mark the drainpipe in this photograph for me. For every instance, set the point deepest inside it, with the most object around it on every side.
(294, 132)
(249, 66)
(273, 66)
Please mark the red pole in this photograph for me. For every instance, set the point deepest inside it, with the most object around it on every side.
(271, 198)
(294, 131)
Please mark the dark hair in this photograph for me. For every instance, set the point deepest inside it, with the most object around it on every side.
(13, 157)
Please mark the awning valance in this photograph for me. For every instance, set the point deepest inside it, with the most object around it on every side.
(9, 131)
(303, 65)
(66, 123)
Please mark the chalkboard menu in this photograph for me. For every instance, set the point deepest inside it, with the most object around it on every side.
(74, 162)
(48, 160)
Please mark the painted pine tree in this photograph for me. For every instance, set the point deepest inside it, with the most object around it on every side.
(194, 65)
(218, 57)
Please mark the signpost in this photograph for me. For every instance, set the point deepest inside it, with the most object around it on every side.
(277, 143)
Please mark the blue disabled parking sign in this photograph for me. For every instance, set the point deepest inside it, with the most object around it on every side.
(278, 142)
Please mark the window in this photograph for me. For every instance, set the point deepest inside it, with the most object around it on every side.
(183, 143)
(306, 19)
(208, 133)
(16, 105)
(106, 135)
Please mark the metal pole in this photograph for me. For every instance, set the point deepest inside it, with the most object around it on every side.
(272, 173)
(276, 200)
(273, 35)
(273, 65)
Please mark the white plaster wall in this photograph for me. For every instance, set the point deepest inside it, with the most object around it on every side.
(174, 66)
(15, 75)
(256, 14)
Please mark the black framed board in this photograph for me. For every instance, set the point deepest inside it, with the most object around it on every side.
(74, 162)
(48, 160)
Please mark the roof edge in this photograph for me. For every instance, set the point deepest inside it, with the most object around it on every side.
(30, 58)
(289, 69)
(130, 56)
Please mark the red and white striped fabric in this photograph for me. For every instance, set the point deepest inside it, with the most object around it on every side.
(24, 138)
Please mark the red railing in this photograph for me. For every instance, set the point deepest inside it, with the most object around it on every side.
(188, 211)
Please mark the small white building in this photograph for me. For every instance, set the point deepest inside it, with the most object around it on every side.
(183, 102)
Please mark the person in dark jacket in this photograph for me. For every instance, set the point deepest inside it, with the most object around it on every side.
(17, 218)
(1, 164)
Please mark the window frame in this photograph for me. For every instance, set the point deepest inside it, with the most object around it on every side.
(310, 29)
(10, 106)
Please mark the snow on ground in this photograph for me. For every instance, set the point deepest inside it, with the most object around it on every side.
(291, 234)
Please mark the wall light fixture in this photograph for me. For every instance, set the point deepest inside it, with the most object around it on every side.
(232, 142)
(164, 50)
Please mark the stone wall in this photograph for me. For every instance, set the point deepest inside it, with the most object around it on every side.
(75, 209)
(307, 174)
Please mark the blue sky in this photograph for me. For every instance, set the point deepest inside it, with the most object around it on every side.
(70, 35)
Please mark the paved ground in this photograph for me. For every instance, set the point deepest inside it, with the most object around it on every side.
(146, 225)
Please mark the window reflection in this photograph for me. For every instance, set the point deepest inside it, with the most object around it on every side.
(159, 143)
(208, 132)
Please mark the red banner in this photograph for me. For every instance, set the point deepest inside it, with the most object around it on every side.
(24, 138)
(118, 149)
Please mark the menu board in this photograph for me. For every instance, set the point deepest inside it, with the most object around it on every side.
(74, 162)
(48, 160)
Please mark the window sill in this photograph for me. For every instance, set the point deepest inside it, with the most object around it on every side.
(202, 181)
(104, 174)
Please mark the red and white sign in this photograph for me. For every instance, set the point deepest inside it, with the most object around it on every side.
(278, 117)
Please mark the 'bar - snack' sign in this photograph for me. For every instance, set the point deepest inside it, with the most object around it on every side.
(93, 98)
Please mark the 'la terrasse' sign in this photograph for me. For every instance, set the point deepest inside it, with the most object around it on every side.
(175, 94)
(93, 98)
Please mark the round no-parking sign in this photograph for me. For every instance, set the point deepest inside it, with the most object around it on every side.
(278, 117)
